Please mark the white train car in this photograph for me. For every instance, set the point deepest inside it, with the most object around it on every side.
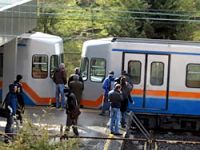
(165, 73)
(38, 54)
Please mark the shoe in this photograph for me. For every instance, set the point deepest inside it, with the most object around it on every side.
(76, 134)
(112, 132)
(123, 126)
(118, 134)
(102, 114)
(7, 141)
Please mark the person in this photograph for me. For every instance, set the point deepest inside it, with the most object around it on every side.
(11, 104)
(76, 85)
(115, 98)
(60, 79)
(107, 87)
(76, 73)
(126, 89)
(20, 98)
(72, 111)
(128, 77)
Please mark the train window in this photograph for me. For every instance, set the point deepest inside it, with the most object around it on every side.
(84, 68)
(157, 73)
(193, 76)
(134, 70)
(62, 58)
(40, 66)
(97, 69)
(53, 64)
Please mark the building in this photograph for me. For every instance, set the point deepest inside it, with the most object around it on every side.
(16, 18)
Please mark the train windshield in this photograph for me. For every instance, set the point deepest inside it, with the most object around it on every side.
(97, 69)
(84, 68)
(53, 64)
(40, 66)
(61, 58)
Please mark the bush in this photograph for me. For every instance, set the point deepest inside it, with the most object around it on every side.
(32, 137)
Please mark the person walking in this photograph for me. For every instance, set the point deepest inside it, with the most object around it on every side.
(20, 98)
(11, 104)
(60, 79)
(72, 111)
(107, 87)
(115, 98)
(76, 85)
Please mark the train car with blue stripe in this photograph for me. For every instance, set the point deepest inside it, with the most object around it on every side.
(165, 75)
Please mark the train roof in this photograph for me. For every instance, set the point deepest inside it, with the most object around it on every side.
(141, 40)
(98, 41)
(41, 37)
(155, 41)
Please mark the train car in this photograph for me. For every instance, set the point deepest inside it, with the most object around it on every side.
(165, 74)
(38, 55)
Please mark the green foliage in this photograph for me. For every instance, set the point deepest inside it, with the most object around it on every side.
(80, 20)
(32, 137)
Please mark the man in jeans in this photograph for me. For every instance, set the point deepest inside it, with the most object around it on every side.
(115, 98)
(60, 79)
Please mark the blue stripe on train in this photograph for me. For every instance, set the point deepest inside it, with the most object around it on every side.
(175, 106)
(28, 100)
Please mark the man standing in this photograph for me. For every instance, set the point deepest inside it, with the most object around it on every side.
(107, 87)
(60, 78)
(126, 89)
(76, 84)
(72, 111)
(11, 107)
(115, 98)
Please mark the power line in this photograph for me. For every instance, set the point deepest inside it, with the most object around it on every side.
(133, 11)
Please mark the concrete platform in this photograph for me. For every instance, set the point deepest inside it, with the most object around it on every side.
(90, 124)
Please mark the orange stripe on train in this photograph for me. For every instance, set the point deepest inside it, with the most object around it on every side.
(90, 103)
(39, 100)
(184, 94)
(177, 94)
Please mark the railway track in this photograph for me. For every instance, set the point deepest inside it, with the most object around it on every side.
(162, 141)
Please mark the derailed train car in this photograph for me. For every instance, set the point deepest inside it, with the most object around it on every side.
(165, 74)
(38, 54)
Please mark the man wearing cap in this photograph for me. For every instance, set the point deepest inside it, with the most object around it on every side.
(107, 87)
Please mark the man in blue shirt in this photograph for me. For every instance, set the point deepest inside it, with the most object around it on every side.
(107, 87)
(11, 104)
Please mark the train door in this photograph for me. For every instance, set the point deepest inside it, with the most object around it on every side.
(150, 78)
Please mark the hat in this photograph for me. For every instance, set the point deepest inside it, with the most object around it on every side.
(111, 72)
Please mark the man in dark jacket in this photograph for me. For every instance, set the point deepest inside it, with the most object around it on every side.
(76, 73)
(115, 98)
(76, 84)
(20, 98)
(11, 107)
(126, 89)
(60, 79)
(72, 111)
